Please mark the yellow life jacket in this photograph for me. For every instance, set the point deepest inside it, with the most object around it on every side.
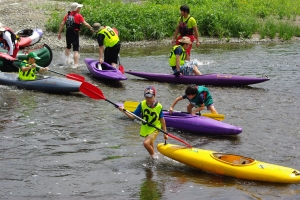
(111, 38)
(172, 60)
(150, 115)
(28, 75)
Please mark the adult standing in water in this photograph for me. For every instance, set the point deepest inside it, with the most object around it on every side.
(73, 21)
(186, 26)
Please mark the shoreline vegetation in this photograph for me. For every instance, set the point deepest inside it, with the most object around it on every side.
(222, 19)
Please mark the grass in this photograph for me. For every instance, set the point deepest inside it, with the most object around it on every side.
(156, 19)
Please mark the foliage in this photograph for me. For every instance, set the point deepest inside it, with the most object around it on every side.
(156, 19)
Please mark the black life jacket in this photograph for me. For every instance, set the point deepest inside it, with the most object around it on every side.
(70, 22)
(183, 29)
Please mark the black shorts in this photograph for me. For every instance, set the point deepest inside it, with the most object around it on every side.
(111, 53)
(72, 38)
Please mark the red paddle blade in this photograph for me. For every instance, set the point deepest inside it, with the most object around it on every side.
(75, 77)
(91, 91)
(6, 56)
(180, 140)
(116, 31)
(121, 68)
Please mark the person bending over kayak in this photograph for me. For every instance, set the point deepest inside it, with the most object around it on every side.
(199, 97)
(28, 68)
(151, 111)
(179, 59)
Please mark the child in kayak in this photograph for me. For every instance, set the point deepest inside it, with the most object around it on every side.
(151, 111)
(28, 68)
(199, 97)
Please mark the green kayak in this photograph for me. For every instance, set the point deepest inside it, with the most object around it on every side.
(44, 52)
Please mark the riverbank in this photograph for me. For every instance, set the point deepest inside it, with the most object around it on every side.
(23, 14)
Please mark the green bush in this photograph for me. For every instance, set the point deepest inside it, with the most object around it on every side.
(156, 19)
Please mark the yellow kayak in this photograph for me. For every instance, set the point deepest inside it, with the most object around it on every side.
(230, 164)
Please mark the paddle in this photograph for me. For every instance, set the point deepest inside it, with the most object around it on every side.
(75, 77)
(95, 93)
(121, 68)
(131, 106)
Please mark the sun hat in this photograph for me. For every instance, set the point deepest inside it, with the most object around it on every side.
(149, 91)
(2, 27)
(33, 55)
(75, 5)
(97, 27)
(186, 40)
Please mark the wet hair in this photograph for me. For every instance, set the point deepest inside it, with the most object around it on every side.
(185, 8)
(191, 89)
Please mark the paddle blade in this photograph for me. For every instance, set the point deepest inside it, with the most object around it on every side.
(219, 117)
(116, 31)
(75, 77)
(180, 140)
(131, 105)
(91, 91)
(121, 68)
(6, 56)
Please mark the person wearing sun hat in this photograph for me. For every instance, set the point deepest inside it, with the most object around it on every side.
(178, 57)
(108, 37)
(9, 41)
(73, 20)
(28, 68)
(151, 111)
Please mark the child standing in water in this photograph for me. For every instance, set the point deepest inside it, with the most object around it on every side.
(151, 111)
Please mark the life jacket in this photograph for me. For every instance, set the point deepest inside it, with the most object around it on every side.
(207, 97)
(150, 115)
(172, 59)
(14, 37)
(28, 75)
(183, 28)
(111, 38)
(70, 22)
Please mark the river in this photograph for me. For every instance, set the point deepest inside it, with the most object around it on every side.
(56, 146)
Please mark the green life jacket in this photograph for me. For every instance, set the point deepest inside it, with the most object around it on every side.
(28, 75)
(111, 38)
(150, 115)
(207, 97)
(172, 59)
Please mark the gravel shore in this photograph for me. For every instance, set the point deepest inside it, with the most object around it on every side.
(21, 14)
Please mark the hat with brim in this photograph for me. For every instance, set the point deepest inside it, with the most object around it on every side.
(97, 27)
(33, 55)
(185, 40)
(1, 27)
(75, 6)
(149, 92)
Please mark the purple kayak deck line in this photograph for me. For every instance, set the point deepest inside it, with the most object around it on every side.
(108, 72)
(205, 79)
(198, 124)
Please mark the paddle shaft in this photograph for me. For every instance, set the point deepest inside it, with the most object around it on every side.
(93, 92)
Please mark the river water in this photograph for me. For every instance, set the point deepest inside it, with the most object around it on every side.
(56, 146)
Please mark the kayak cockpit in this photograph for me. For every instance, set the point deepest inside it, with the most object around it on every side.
(232, 159)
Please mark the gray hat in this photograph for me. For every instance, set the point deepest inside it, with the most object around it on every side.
(75, 5)
(97, 27)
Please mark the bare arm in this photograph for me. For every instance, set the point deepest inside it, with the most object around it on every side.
(101, 50)
(175, 34)
(61, 28)
(126, 113)
(198, 109)
(196, 36)
(178, 63)
(174, 103)
(88, 26)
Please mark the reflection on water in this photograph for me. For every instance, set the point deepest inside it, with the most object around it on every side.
(62, 146)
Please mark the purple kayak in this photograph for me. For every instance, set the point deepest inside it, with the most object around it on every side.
(200, 124)
(205, 79)
(104, 71)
